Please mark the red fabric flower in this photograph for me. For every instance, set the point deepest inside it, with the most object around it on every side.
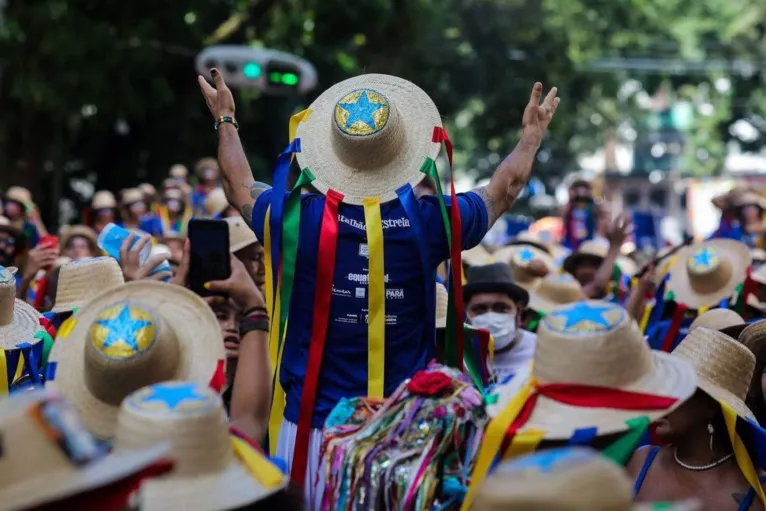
(429, 383)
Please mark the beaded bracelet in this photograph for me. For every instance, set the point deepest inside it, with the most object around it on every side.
(224, 119)
(257, 308)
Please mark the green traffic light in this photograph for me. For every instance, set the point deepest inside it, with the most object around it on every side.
(290, 79)
(252, 71)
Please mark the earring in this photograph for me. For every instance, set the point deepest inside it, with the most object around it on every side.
(711, 430)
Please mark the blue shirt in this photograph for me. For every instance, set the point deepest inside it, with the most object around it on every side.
(410, 327)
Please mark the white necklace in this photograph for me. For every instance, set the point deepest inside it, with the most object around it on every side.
(701, 467)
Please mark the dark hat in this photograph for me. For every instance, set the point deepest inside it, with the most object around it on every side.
(493, 278)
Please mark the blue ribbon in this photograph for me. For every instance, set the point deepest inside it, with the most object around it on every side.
(30, 361)
(50, 371)
(659, 302)
(278, 200)
(583, 436)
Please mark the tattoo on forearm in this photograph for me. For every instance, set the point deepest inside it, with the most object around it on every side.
(256, 188)
(489, 203)
(247, 213)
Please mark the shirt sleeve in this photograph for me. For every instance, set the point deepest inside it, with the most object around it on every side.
(473, 219)
(259, 213)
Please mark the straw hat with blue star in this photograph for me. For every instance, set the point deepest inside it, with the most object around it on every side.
(706, 273)
(211, 469)
(367, 136)
(134, 335)
(594, 344)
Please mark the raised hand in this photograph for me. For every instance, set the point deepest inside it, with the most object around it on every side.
(219, 99)
(538, 116)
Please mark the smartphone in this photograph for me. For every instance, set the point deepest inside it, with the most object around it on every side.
(209, 258)
(49, 241)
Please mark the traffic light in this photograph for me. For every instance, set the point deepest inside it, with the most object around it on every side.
(272, 71)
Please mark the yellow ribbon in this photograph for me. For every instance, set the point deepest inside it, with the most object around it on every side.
(524, 443)
(740, 451)
(3, 374)
(493, 441)
(702, 310)
(376, 326)
(262, 470)
(20, 364)
(295, 120)
(645, 316)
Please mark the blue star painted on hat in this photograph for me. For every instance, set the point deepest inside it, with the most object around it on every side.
(581, 312)
(122, 328)
(362, 110)
(547, 461)
(172, 395)
(703, 258)
(526, 255)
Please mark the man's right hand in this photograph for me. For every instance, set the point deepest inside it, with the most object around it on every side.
(219, 99)
(43, 256)
(621, 228)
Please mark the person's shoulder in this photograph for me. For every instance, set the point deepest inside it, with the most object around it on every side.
(638, 459)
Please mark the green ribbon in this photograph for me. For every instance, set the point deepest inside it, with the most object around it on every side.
(47, 346)
(622, 449)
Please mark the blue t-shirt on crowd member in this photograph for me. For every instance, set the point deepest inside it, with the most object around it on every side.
(410, 330)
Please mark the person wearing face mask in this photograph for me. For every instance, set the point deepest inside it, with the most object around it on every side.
(174, 214)
(208, 180)
(494, 302)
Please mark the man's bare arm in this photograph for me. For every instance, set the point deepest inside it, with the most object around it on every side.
(241, 189)
(514, 171)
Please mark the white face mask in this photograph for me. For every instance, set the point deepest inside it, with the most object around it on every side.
(501, 326)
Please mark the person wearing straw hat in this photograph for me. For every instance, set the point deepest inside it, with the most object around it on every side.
(174, 215)
(49, 457)
(212, 468)
(19, 208)
(12, 245)
(19, 323)
(706, 273)
(103, 210)
(208, 179)
(216, 205)
(362, 144)
(749, 208)
(593, 264)
(565, 479)
(555, 290)
(593, 379)
(245, 246)
(706, 455)
(76, 278)
(135, 212)
(754, 338)
(495, 301)
(725, 321)
(130, 336)
(79, 242)
(528, 264)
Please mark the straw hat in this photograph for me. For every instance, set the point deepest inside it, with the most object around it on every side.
(588, 250)
(103, 200)
(442, 299)
(706, 273)
(477, 256)
(724, 320)
(179, 171)
(527, 238)
(564, 479)
(528, 264)
(7, 226)
(205, 163)
(724, 367)
(555, 289)
(207, 474)
(19, 321)
(174, 194)
(759, 275)
(147, 189)
(76, 281)
(367, 136)
(750, 198)
(132, 195)
(240, 234)
(134, 335)
(18, 194)
(594, 343)
(48, 455)
(216, 202)
(753, 336)
(82, 231)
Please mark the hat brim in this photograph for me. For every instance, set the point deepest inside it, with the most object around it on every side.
(720, 394)
(82, 232)
(738, 256)
(230, 489)
(517, 293)
(754, 335)
(575, 259)
(418, 116)
(11, 229)
(25, 323)
(33, 492)
(531, 243)
(669, 377)
(195, 327)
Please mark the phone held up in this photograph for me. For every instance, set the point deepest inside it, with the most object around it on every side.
(209, 258)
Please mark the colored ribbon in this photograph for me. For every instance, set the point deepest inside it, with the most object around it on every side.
(30, 361)
(3, 374)
(749, 288)
(218, 379)
(623, 448)
(328, 245)
(517, 412)
(257, 465)
(273, 303)
(659, 302)
(376, 290)
(675, 326)
(740, 451)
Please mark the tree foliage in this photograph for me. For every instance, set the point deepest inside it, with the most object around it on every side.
(78, 72)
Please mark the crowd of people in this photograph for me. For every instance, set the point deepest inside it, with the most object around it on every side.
(368, 350)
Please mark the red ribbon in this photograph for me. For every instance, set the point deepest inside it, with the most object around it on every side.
(456, 266)
(748, 289)
(219, 377)
(48, 326)
(587, 396)
(328, 245)
(675, 326)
